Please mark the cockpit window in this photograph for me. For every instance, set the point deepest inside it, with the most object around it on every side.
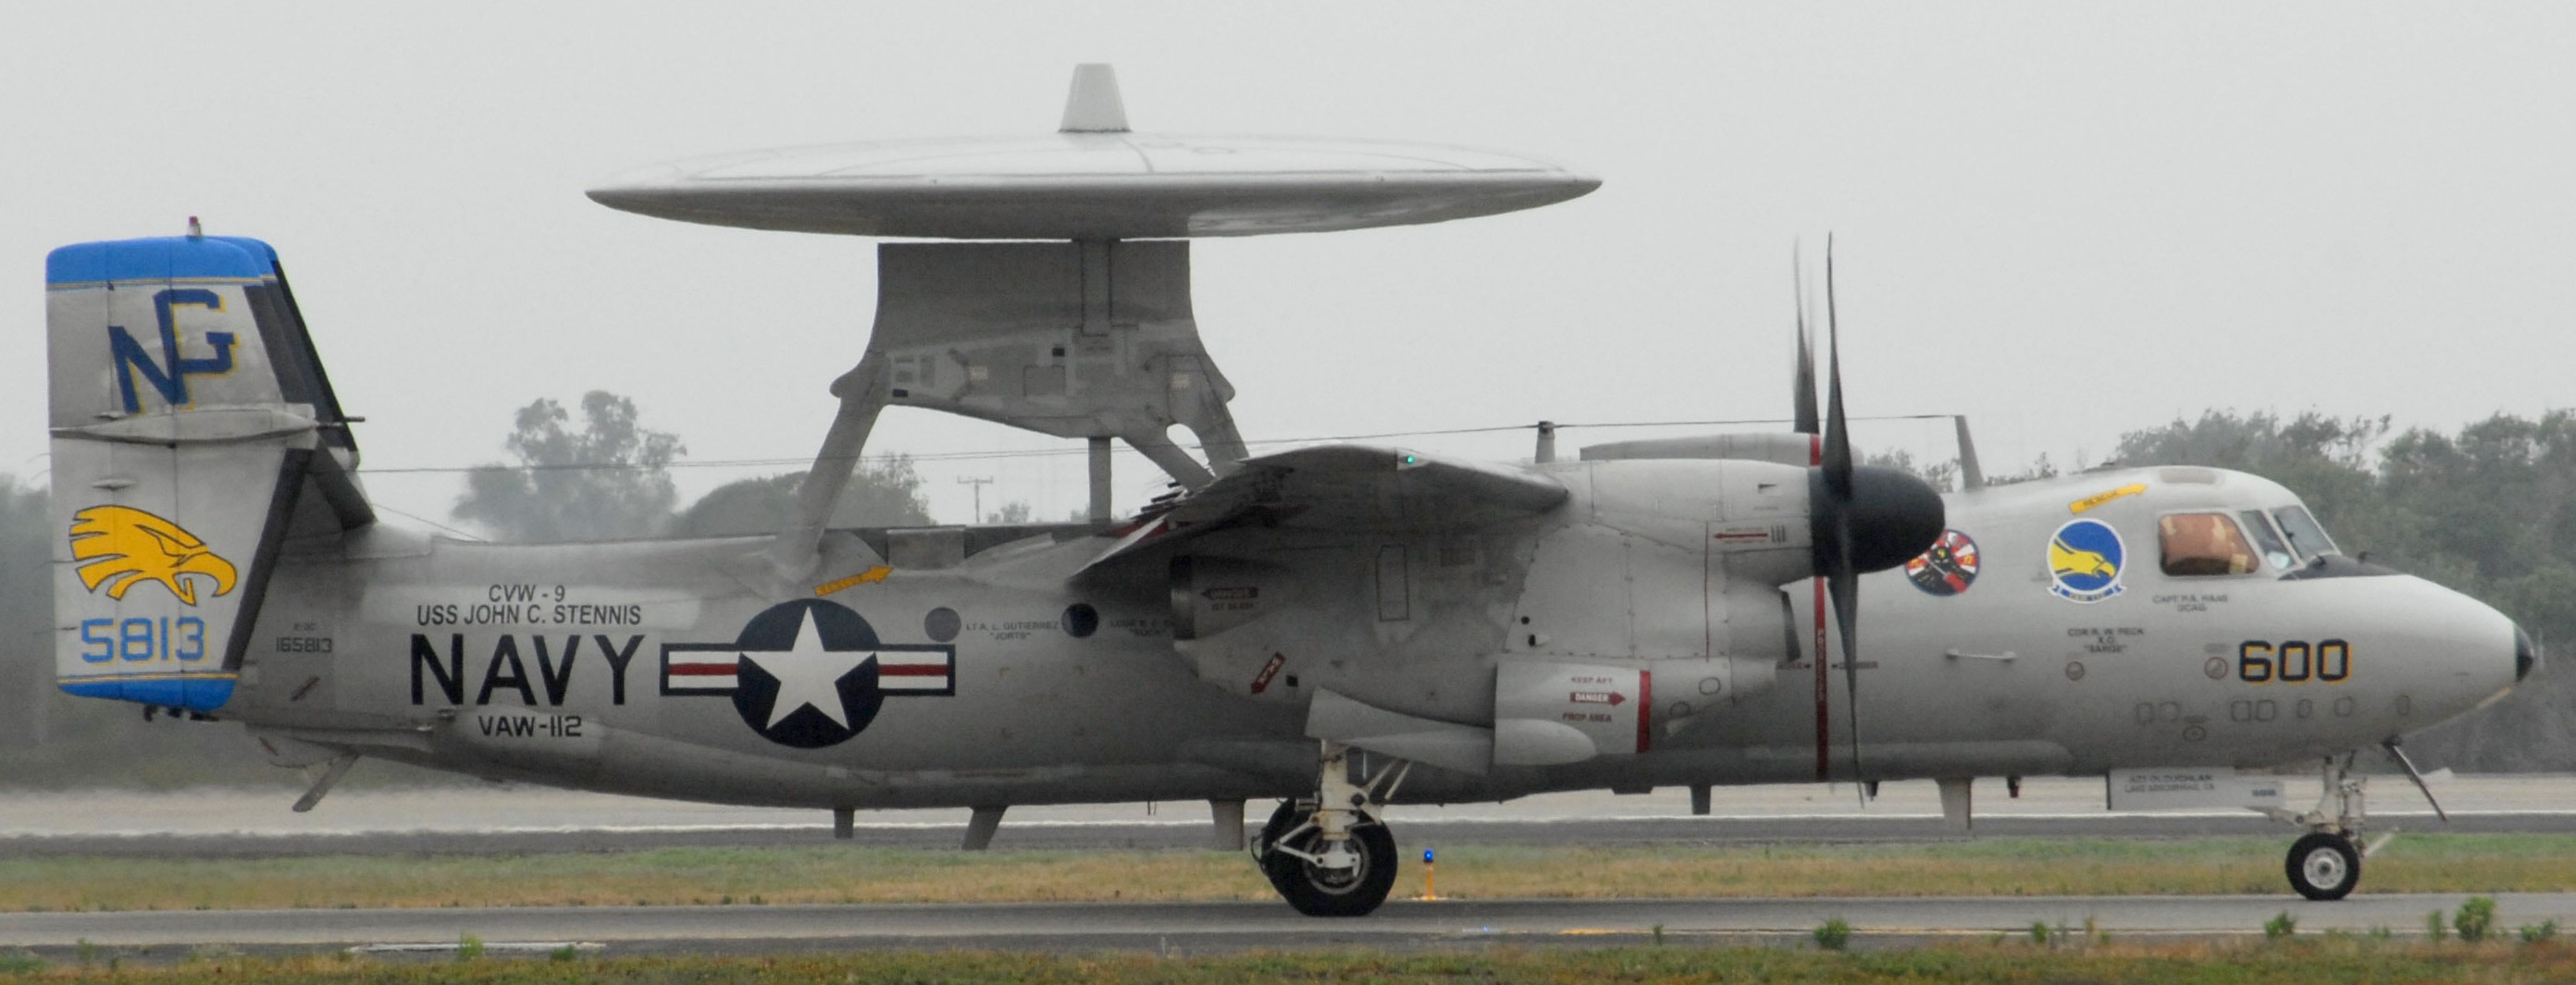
(2305, 536)
(2205, 544)
(2269, 540)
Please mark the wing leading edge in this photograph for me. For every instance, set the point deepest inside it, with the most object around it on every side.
(1358, 488)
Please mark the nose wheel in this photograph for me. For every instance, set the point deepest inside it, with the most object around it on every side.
(1329, 855)
(2324, 866)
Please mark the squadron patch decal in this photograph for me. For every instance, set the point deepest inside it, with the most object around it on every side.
(121, 547)
(1947, 568)
(808, 673)
(2084, 561)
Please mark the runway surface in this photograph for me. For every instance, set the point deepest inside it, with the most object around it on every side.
(513, 820)
(1212, 927)
(510, 820)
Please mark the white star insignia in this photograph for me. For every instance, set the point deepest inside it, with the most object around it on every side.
(809, 676)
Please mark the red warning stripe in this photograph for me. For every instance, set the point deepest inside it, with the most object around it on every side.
(1645, 709)
(1824, 717)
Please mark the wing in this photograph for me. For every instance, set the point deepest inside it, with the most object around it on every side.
(1347, 487)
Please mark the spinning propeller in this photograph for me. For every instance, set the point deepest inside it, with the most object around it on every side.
(1862, 518)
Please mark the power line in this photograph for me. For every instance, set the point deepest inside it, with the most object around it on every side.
(973, 456)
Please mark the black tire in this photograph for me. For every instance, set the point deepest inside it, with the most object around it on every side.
(1316, 892)
(2323, 866)
(1290, 814)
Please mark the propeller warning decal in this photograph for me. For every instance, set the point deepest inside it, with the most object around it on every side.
(2084, 561)
(808, 673)
(1948, 568)
(121, 547)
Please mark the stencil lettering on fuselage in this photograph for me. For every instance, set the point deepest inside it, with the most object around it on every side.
(445, 673)
(808, 673)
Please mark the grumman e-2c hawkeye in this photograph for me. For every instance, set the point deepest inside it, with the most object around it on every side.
(1336, 627)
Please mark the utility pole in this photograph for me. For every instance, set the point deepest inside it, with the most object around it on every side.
(979, 483)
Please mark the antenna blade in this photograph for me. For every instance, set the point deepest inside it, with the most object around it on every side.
(1970, 475)
(1093, 106)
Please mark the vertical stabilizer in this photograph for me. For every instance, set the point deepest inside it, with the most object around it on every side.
(193, 431)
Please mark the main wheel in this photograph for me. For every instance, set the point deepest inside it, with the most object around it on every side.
(2323, 866)
(1321, 892)
(1290, 814)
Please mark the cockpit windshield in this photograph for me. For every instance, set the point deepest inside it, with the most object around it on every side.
(2274, 549)
(2306, 537)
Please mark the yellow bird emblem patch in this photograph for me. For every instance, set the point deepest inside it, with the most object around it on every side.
(2064, 561)
(122, 547)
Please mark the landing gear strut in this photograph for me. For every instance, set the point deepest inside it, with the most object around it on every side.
(2325, 864)
(1329, 855)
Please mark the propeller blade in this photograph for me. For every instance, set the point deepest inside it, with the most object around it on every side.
(1838, 458)
(1844, 586)
(1842, 581)
(1804, 385)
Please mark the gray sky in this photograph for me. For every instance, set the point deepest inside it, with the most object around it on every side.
(2065, 220)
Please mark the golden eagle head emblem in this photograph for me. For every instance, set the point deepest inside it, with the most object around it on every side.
(2064, 561)
(122, 547)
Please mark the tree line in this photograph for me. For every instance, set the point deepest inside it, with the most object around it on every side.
(2489, 510)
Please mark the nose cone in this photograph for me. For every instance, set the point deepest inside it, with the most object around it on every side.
(1894, 516)
(2526, 654)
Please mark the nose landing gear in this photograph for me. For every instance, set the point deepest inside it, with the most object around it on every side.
(2325, 863)
(1330, 855)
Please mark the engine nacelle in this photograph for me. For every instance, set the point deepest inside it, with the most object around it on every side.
(1548, 713)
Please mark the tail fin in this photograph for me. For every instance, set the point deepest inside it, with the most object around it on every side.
(193, 433)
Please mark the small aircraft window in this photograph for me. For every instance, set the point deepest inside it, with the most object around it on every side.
(2205, 544)
(2269, 540)
(2305, 536)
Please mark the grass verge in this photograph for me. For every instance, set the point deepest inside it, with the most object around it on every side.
(842, 874)
(2291, 963)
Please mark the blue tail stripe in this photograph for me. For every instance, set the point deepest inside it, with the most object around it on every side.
(195, 692)
(160, 259)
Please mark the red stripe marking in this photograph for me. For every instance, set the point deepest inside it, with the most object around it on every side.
(702, 670)
(1824, 718)
(911, 670)
(1645, 709)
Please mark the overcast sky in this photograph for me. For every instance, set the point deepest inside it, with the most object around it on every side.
(2064, 220)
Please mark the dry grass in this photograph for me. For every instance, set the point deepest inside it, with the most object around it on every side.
(841, 874)
(2295, 963)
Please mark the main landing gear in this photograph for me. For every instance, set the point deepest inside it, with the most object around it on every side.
(1329, 855)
